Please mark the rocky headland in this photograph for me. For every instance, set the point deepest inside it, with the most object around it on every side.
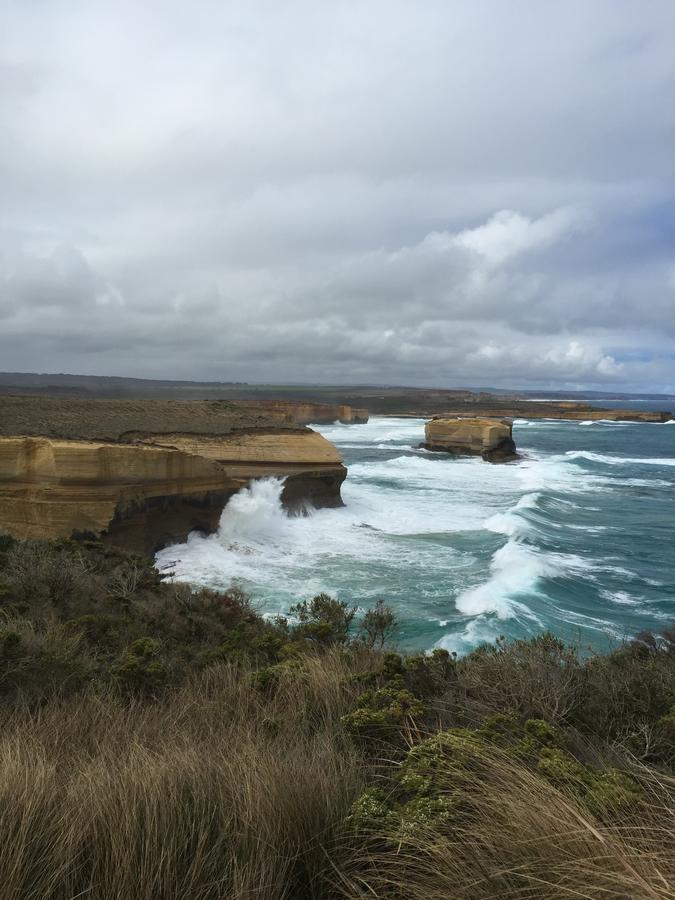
(143, 474)
(491, 439)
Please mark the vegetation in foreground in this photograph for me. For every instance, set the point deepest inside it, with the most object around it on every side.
(163, 742)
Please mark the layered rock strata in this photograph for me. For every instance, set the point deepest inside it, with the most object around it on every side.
(493, 408)
(492, 439)
(143, 488)
(297, 412)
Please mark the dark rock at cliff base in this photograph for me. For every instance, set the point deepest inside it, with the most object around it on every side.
(505, 451)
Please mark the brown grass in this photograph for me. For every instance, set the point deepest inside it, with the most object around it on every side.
(215, 793)
(221, 791)
(521, 838)
(235, 774)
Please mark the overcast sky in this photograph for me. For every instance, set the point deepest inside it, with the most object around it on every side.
(453, 193)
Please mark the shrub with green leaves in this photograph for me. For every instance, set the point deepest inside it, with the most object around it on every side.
(378, 625)
(141, 669)
(323, 620)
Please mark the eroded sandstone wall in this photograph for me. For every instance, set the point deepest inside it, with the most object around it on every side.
(491, 439)
(52, 489)
(302, 413)
(143, 489)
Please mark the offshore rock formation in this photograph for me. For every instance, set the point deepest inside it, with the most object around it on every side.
(491, 439)
(297, 412)
(83, 467)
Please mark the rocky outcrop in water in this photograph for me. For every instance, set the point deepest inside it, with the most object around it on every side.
(143, 474)
(491, 439)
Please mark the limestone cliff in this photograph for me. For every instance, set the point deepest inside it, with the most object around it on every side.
(145, 487)
(301, 413)
(486, 406)
(491, 439)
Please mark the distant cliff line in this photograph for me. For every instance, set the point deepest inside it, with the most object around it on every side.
(378, 400)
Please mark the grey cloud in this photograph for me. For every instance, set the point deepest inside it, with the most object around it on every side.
(439, 192)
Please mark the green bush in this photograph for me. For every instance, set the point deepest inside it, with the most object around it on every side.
(141, 668)
(383, 713)
(37, 663)
(625, 695)
(378, 625)
(323, 620)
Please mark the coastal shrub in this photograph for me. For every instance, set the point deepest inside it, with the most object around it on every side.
(395, 699)
(432, 784)
(465, 819)
(40, 662)
(141, 668)
(158, 740)
(323, 620)
(383, 713)
(40, 574)
(6, 544)
(430, 675)
(378, 625)
(626, 696)
(539, 678)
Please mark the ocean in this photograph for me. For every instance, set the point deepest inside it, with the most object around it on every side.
(575, 538)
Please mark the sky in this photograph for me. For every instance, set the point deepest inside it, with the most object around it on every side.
(442, 193)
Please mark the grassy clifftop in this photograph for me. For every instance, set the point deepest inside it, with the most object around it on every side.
(112, 420)
(161, 742)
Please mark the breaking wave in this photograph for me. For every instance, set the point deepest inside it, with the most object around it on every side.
(619, 460)
(463, 550)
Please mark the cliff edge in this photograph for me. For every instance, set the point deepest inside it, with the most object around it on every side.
(299, 412)
(143, 474)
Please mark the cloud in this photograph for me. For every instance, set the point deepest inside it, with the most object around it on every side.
(437, 193)
(508, 234)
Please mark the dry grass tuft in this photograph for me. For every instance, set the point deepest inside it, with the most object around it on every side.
(517, 836)
(215, 793)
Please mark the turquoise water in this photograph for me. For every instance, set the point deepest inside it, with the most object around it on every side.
(577, 537)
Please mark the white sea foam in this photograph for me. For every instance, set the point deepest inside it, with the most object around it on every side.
(481, 630)
(620, 460)
(423, 529)
(608, 423)
(511, 522)
(259, 544)
(623, 598)
(642, 482)
(254, 515)
(515, 569)
(376, 431)
(591, 529)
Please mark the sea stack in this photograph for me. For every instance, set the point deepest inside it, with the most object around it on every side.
(490, 439)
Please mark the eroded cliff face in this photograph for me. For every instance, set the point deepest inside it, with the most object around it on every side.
(145, 489)
(301, 413)
(498, 408)
(491, 439)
